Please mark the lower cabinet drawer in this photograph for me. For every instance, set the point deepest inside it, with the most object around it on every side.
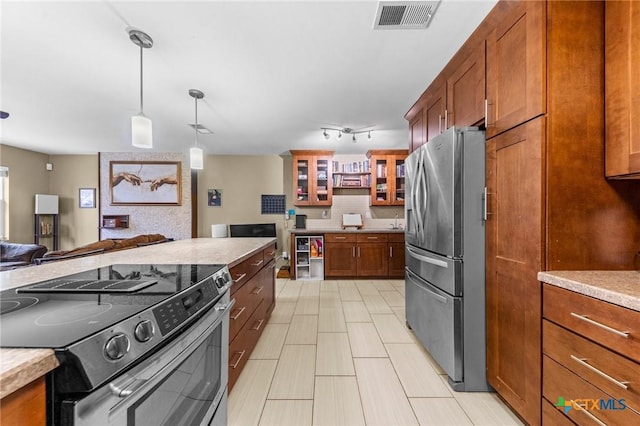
(586, 402)
(242, 272)
(613, 373)
(552, 416)
(240, 348)
(247, 298)
(612, 326)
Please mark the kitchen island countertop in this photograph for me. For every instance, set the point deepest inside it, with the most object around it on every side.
(621, 288)
(19, 367)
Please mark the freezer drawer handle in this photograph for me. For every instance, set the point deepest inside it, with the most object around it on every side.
(592, 417)
(436, 262)
(434, 294)
(624, 334)
(583, 362)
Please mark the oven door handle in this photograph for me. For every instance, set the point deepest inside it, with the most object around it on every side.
(135, 386)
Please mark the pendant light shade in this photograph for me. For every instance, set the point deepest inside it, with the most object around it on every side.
(141, 127)
(141, 132)
(196, 154)
(196, 157)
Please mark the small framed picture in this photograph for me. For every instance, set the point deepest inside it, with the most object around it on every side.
(87, 198)
(214, 197)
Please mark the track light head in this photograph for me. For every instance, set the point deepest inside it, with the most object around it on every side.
(325, 134)
(353, 138)
(339, 135)
(369, 136)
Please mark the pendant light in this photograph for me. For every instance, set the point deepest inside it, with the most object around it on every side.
(196, 154)
(141, 132)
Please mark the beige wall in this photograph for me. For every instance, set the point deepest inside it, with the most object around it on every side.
(70, 173)
(242, 179)
(27, 176)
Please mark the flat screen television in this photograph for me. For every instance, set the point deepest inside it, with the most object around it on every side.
(253, 230)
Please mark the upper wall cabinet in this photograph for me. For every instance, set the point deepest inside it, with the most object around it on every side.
(622, 81)
(312, 180)
(387, 177)
(455, 98)
(516, 66)
(465, 90)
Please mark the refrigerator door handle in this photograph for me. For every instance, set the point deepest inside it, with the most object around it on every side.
(434, 294)
(430, 260)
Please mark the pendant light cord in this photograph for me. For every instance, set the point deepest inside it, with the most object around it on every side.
(141, 67)
(196, 126)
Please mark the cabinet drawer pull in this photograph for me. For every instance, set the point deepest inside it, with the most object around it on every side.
(340, 238)
(258, 263)
(235, 364)
(592, 417)
(236, 316)
(584, 363)
(271, 253)
(240, 278)
(257, 327)
(372, 238)
(353, 251)
(257, 290)
(624, 334)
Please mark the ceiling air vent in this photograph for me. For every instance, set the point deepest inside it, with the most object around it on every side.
(201, 129)
(404, 15)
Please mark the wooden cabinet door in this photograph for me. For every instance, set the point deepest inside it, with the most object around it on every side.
(373, 259)
(312, 178)
(417, 131)
(26, 406)
(434, 110)
(622, 81)
(396, 260)
(516, 65)
(340, 259)
(514, 232)
(466, 91)
(387, 177)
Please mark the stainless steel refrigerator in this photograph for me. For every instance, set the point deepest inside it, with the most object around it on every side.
(445, 237)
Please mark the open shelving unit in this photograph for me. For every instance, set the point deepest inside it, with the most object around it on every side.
(309, 257)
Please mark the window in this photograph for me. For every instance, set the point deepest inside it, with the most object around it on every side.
(4, 203)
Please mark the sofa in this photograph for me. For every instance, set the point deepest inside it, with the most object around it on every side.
(103, 246)
(15, 255)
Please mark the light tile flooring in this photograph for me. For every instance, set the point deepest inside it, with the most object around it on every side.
(339, 353)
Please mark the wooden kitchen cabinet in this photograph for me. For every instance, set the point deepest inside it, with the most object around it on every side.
(513, 259)
(516, 64)
(387, 177)
(583, 358)
(253, 290)
(435, 109)
(312, 178)
(622, 89)
(340, 255)
(396, 256)
(466, 90)
(26, 406)
(417, 131)
(544, 189)
(372, 255)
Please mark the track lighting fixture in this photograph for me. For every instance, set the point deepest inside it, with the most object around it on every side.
(141, 131)
(346, 130)
(196, 154)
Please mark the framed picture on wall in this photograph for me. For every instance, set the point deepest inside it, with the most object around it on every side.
(145, 183)
(214, 197)
(87, 197)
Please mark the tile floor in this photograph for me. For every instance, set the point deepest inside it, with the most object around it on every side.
(339, 353)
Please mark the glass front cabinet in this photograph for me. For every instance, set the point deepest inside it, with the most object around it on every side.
(387, 176)
(312, 180)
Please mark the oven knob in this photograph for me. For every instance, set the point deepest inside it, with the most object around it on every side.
(144, 331)
(220, 282)
(117, 346)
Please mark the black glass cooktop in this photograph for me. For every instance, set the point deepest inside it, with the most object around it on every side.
(38, 316)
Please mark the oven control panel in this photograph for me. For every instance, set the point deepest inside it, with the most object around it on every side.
(174, 312)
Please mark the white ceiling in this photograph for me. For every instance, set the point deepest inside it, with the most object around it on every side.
(273, 73)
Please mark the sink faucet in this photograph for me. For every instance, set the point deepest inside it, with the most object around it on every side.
(395, 221)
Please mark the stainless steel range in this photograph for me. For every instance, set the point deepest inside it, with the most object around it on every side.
(137, 344)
